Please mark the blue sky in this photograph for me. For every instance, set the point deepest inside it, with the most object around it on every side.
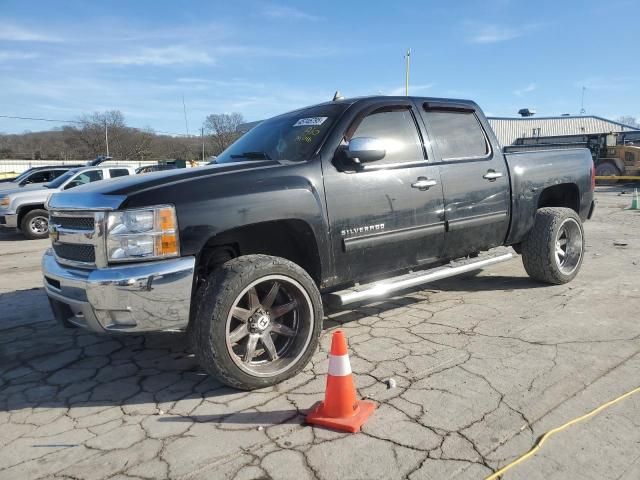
(65, 58)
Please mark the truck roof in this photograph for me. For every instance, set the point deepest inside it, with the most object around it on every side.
(371, 98)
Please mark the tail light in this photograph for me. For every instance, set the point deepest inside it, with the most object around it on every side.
(593, 177)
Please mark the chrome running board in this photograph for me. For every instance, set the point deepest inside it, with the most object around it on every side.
(384, 287)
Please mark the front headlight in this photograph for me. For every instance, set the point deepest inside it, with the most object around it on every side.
(4, 202)
(142, 234)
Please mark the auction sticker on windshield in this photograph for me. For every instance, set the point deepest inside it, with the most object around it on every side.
(305, 122)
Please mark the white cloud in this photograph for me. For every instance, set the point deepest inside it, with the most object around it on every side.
(528, 89)
(491, 33)
(193, 80)
(413, 89)
(15, 33)
(6, 55)
(176, 55)
(604, 83)
(494, 34)
(277, 11)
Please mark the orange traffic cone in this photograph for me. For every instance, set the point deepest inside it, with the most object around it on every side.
(340, 409)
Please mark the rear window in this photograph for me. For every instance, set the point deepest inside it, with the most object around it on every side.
(118, 172)
(458, 135)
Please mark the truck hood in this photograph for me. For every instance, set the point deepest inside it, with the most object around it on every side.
(11, 187)
(147, 181)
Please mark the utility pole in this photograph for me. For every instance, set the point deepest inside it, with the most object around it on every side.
(202, 135)
(106, 135)
(407, 58)
(184, 108)
(582, 110)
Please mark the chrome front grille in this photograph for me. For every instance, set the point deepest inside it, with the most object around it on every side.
(77, 223)
(77, 238)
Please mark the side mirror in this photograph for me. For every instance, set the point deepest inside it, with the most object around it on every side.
(25, 182)
(366, 149)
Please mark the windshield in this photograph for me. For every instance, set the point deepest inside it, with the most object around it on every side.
(22, 176)
(61, 179)
(293, 136)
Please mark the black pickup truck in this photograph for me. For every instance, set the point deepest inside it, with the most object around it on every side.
(351, 200)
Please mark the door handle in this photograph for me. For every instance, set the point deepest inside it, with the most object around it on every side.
(424, 183)
(492, 175)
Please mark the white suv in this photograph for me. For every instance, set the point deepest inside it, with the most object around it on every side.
(24, 208)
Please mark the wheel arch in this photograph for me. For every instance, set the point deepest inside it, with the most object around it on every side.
(561, 195)
(292, 239)
(22, 210)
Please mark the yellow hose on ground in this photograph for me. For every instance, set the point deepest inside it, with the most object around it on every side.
(544, 437)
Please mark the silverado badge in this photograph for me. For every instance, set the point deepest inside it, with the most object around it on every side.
(366, 229)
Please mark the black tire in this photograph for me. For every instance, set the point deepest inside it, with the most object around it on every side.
(607, 169)
(228, 286)
(539, 255)
(35, 224)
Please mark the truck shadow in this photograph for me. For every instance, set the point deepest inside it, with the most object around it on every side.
(10, 235)
(486, 283)
(45, 366)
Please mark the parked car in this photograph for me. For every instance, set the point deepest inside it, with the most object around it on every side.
(155, 168)
(24, 207)
(352, 199)
(35, 175)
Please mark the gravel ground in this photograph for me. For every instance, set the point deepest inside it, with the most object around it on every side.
(484, 365)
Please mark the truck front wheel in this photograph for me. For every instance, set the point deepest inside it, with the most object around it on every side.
(35, 224)
(257, 322)
(553, 250)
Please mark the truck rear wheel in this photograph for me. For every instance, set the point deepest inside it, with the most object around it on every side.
(553, 250)
(607, 169)
(257, 322)
(35, 224)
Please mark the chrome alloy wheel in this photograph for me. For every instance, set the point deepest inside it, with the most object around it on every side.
(39, 225)
(568, 246)
(269, 326)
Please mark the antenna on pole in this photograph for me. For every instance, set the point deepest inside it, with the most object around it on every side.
(582, 110)
(407, 58)
(184, 108)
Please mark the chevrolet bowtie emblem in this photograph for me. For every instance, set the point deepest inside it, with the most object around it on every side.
(54, 234)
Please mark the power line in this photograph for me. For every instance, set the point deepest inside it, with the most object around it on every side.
(40, 119)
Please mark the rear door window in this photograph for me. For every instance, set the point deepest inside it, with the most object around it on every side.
(118, 172)
(458, 135)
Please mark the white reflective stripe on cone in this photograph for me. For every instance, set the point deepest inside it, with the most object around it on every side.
(339, 365)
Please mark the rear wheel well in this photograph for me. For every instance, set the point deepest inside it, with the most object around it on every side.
(290, 239)
(562, 195)
(22, 211)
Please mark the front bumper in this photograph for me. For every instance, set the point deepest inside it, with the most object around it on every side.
(145, 297)
(9, 220)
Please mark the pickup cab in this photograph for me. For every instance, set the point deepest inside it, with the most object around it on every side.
(23, 207)
(341, 202)
(35, 175)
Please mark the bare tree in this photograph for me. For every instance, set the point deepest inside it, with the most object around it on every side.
(223, 129)
(86, 139)
(629, 120)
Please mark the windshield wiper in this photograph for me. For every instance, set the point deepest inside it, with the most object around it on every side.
(252, 155)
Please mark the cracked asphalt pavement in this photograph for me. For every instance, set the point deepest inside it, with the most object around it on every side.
(484, 365)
